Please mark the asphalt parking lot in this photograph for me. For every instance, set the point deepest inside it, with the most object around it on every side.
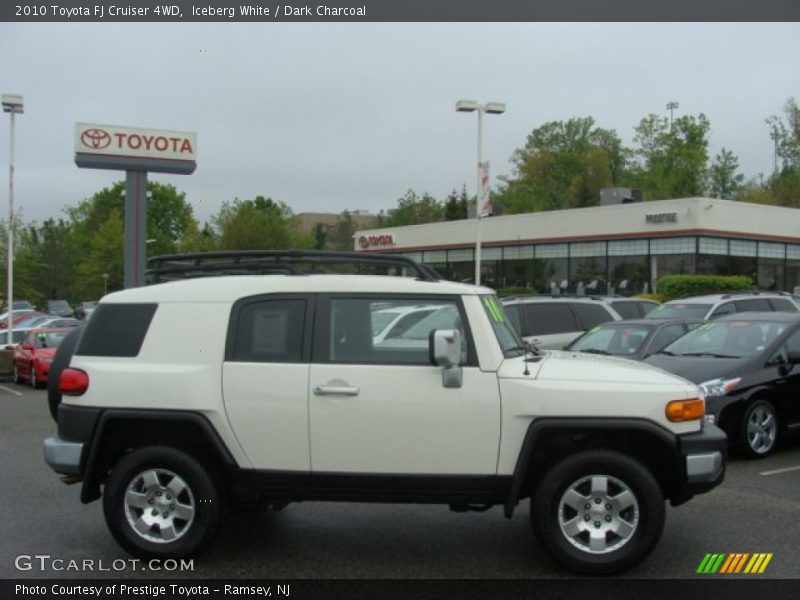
(757, 509)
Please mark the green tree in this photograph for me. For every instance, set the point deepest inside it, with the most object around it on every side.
(258, 224)
(672, 160)
(564, 164)
(455, 205)
(341, 235)
(413, 210)
(724, 179)
(103, 255)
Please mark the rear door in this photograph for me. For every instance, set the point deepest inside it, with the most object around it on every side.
(265, 379)
(379, 406)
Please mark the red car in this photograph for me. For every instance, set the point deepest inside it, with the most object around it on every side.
(32, 357)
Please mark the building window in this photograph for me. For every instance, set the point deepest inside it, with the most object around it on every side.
(685, 245)
(519, 252)
(461, 255)
(551, 275)
(435, 256)
(587, 275)
(770, 274)
(583, 249)
(742, 248)
(628, 248)
(552, 251)
(771, 250)
(628, 275)
(712, 246)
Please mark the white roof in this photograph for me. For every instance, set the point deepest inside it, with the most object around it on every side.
(230, 288)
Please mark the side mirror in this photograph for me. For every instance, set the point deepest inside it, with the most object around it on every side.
(444, 347)
(794, 357)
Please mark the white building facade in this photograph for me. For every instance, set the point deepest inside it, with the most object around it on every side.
(622, 248)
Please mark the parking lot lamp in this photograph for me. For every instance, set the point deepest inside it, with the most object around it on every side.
(493, 108)
(12, 104)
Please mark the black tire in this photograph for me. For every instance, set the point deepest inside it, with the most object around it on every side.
(193, 535)
(60, 362)
(622, 551)
(758, 437)
(17, 378)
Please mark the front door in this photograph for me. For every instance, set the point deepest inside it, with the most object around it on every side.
(377, 404)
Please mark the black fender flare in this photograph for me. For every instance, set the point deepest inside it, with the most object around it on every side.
(94, 468)
(583, 424)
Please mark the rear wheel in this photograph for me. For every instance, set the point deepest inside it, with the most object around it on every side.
(161, 502)
(598, 512)
(758, 431)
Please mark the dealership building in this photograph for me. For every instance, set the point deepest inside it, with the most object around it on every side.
(616, 249)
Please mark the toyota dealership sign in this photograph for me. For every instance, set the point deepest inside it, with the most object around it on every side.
(116, 147)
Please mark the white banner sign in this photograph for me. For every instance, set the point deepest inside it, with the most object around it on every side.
(484, 203)
(112, 140)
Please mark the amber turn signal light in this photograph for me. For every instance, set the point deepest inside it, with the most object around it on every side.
(685, 410)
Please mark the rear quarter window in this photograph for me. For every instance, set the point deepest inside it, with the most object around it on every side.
(783, 305)
(592, 314)
(116, 330)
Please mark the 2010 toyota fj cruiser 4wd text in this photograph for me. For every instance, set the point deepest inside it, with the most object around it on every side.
(182, 397)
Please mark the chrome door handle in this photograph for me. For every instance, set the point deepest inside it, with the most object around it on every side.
(336, 390)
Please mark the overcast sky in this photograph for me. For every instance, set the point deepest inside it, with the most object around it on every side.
(327, 117)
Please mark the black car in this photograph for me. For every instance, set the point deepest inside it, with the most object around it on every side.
(748, 366)
(633, 338)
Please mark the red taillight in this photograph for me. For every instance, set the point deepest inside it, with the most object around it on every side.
(73, 382)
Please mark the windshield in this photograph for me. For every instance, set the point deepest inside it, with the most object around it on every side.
(679, 310)
(727, 339)
(58, 305)
(619, 341)
(509, 341)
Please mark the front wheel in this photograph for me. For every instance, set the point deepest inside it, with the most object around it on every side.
(161, 502)
(598, 512)
(759, 429)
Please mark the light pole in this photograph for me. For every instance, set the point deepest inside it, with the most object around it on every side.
(671, 106)
(12, 103)
(493, 108)
(105, 284)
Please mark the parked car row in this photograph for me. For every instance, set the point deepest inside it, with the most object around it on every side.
(55, 308)
(742, 350)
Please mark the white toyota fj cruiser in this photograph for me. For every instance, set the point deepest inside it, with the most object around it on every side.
(182, 397)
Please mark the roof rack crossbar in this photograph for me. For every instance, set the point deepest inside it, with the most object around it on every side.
(252, 260)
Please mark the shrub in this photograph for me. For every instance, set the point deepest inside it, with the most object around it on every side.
(680, 286)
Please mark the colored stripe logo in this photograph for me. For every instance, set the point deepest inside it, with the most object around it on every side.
(734, 563)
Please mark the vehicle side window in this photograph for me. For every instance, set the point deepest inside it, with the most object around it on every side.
(723, 309)
(270, 331)
(755, 304)
(352, 335)
(783, 305)
(544, 318)
(592, 314)
(666, 336)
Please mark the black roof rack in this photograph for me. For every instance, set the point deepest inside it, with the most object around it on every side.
(169, 267)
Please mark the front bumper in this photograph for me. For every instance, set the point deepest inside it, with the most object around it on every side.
(703, 455)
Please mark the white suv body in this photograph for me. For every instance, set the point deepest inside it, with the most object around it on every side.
(285, 395)
(553, 322)
(713, 306)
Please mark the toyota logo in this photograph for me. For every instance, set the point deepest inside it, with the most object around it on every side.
(363, 241)
(96, 139)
